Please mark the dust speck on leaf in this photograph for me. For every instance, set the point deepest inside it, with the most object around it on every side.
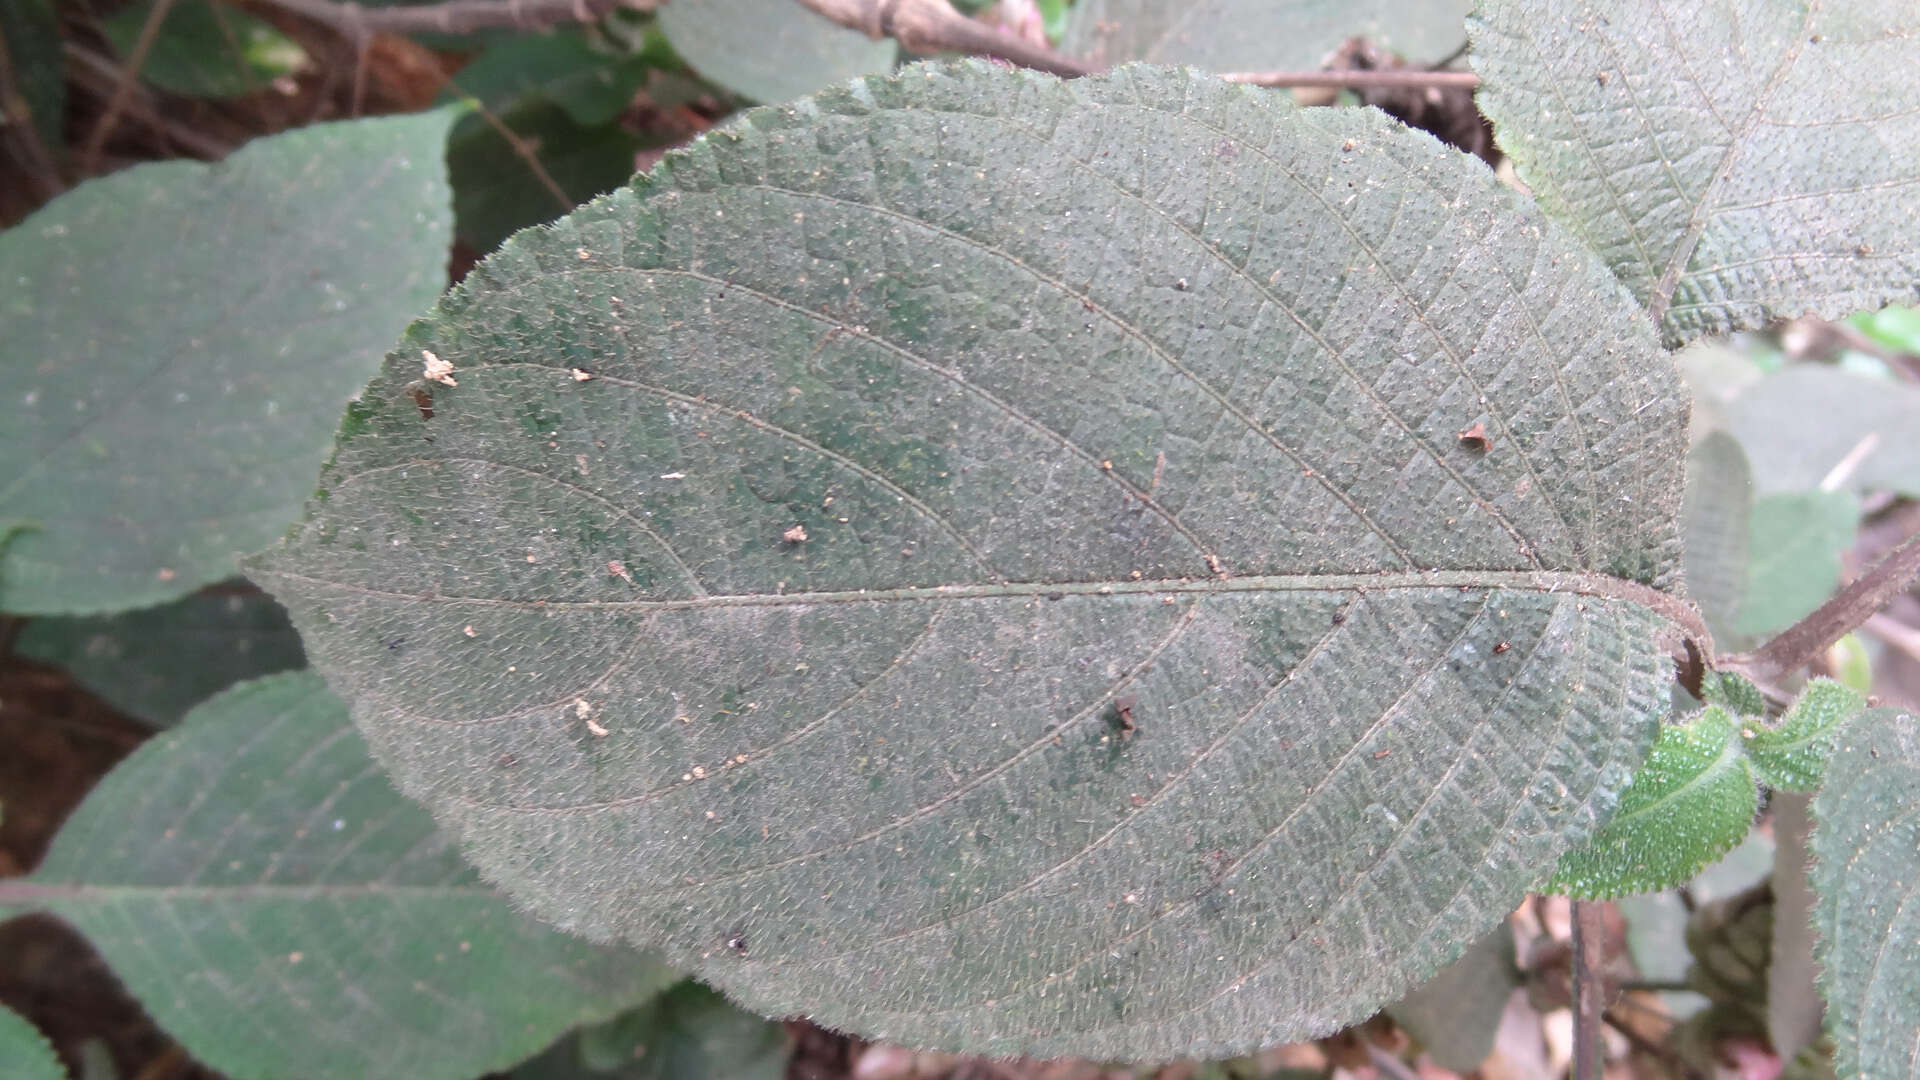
(795, 535)
(468, 630)
(616, 568)
(436, 369)
(582, 376)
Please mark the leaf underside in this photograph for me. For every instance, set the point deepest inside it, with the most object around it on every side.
(252, 871)
(1866, 879)
(1735, 161)
(1132, 402)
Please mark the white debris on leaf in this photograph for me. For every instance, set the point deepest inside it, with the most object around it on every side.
(582, 376)
(437, 370)
(585, 712)
(795, 535)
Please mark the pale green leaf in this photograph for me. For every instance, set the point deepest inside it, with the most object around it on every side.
(1259, 35)
(156, 663)
(1797, 542)
(24, 1052)
(1717, 521)
(770, 50)
(812, 520)
(1690, 804)
(1866, 877)
(252, 872)
(1734, 161)
(1802, 424)
(1793, 755)
(205, 49)
(1455, 1015)
(1793, 996)
(177, 341)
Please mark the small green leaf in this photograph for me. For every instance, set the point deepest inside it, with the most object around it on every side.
(252, 871)
(1793, 756)
(204, 49)
(592, 82)
(1733, 693)
(177, 341)
(1866, 879)
(1258, 35)
(770, 50)
(1852, 663)
(1797, 543)
(156, 663)
(1691, 803)
(1800, 425)
(1718, 526)
(1719, 154)
(25, 1053)
(1455, 1015)
(1897, 328)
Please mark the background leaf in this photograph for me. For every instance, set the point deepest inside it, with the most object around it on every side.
(1144, 390)
(496, 193)
(592, 82)
(1718, 524)
(1692, 802)
(203, 49)
(156, 663)
(25, 1052)
(251, 870)
(1800, 424)
(1866, 877)
(1733, 161)
(1797, 543)
(1258, 35)
(1456, 1014)
(770, 50)
(30, 30)
(148, 435)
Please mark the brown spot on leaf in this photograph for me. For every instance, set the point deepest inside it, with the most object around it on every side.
(1476, 438)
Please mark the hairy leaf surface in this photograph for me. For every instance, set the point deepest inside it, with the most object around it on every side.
(1258, 35)
(252, 871)
(993, 562)
(1866, 878)
(1734, 161)
(177, 341)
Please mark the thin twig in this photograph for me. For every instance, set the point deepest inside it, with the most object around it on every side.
(1799, 644)
(1896, 634)
(1388, 1064)
(1359, 80)
(129, 75)
(357, 23)
(932, 26)
(1589, 997)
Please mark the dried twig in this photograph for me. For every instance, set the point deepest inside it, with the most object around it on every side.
(1357, 79)
(1800, 643)
(357, 24)
(931, 26)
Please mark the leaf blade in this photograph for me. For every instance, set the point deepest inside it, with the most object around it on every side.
(741, 646)
(1677, 132)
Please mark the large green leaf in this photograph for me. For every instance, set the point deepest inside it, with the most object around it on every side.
(24, 1052)
(993, 562)
(252, 871)
(156, 663)
(1258, 35)
(1800, 425)
(1734, 161)
(177, 341)
(1797, 542)
(770, 50)
(1866, 878)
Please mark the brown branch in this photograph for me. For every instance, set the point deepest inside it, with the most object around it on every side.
(1798, 645)
(1382, 78)
(357, 24)
(1589, 993)
(931, 26)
